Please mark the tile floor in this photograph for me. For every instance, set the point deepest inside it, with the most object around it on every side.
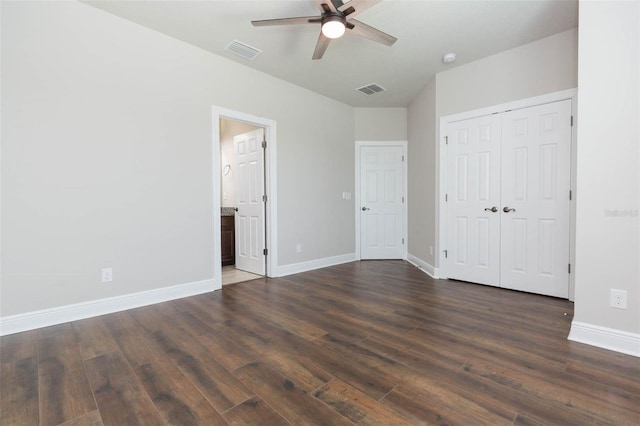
(231, 275)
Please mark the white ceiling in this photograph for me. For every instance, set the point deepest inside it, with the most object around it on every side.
(425, 30)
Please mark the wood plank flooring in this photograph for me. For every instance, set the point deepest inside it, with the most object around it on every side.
(360, 343)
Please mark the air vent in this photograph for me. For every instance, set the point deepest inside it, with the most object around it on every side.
(371, 89)
(243, 50)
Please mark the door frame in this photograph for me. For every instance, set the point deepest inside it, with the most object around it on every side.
(441, 154)
(271, 219)
(403, 145)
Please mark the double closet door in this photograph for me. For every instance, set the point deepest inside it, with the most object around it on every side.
(508, 199)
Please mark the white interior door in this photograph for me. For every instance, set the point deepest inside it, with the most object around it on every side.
(473, 177)
(508, 182)
(249, 220)
(536, 154)
(381, 199)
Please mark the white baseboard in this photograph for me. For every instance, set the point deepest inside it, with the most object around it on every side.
(46, 317)
(606, 338)
(424, 266)
(296, 268)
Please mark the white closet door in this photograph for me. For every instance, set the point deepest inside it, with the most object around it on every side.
(536, 155)
(473, 177)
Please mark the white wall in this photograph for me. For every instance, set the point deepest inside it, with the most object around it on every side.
(422, 176)
(544, 66)
(608, 224)
(381, 124)
(107, 161)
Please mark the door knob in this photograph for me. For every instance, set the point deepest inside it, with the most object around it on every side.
(508, 209)
(235, 208)
(364, 209)
(492, 209)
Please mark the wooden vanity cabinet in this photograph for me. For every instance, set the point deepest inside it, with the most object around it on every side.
(228, 240)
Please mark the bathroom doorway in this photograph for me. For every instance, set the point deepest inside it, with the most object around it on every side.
(242, 211)
(244, 197)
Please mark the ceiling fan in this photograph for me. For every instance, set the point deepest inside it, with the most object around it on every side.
(336, 17)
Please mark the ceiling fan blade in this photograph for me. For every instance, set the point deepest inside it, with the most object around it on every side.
(359, 6)
(323, 5)
(321, 46)
(366, 31)
(287, 21)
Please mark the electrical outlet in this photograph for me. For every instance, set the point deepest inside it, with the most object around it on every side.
(107, 275)
(298, 248)
(618, 299)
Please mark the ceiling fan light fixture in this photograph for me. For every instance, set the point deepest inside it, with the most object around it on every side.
(333, 26)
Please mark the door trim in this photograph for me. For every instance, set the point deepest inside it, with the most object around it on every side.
(441, 154)
(271, 220)
(403, 145)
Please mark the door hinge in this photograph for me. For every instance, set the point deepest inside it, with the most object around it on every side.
(402, 200)
(446, 140)
(264, 198)
(445, 254)
(265, 252)
(403, 241)
(572, 121)
(569, 268)
(264, 144)
(403, 158)
(446, 197)
(570, 195)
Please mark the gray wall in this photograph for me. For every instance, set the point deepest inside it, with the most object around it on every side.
(608, 198)
(422, 174)
(107, 161)
(381, 124)
(544, 66)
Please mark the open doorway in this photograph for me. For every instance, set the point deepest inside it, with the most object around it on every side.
(244, 196)
(242, 212)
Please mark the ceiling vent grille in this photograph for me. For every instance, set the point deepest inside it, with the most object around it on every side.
(371, 89)
(244, 50)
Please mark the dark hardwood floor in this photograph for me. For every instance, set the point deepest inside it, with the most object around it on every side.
(364, 343)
